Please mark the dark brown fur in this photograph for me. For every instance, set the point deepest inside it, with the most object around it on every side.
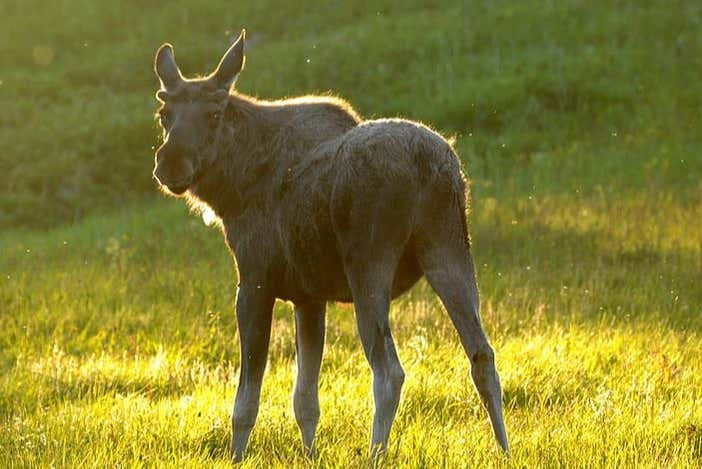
(317, 205)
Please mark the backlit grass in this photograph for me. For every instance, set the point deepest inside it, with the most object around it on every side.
(121, 348)
(578, 123)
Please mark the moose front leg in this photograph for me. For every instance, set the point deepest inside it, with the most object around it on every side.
(254, 310)
(309, 343)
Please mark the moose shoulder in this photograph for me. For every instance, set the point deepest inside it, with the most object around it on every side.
(317, 205)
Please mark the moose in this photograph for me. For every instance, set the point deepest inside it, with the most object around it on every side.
(317, 205)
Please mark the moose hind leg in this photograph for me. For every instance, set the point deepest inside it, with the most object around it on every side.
(373, 221)
(309, 343)
(371, 295)
(452, 276)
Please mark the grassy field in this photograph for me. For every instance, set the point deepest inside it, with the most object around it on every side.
(579, 124)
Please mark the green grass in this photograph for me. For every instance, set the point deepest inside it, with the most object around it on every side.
(579, 125)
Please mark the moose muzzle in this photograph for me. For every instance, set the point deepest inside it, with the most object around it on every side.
(173, 169)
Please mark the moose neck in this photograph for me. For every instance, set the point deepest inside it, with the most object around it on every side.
(242, 171)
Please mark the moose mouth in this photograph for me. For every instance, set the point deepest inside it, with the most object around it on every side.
(178, 189)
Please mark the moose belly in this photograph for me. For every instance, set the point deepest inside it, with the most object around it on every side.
(313, 271)
(322, 278)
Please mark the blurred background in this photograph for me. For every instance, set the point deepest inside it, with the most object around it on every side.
(542, 95)
(578, 123)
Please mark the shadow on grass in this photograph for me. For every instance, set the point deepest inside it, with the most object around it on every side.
(443, 405)
(520, 397)
(693, 434)
(214, 443)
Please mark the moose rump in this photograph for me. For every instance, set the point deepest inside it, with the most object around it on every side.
(392, 206)
(366, 197)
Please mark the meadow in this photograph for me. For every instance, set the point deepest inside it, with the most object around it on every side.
(578, 124)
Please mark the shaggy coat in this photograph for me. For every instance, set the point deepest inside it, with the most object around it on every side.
(294, 176)
(317, 205)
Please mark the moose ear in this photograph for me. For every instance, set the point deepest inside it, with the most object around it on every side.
(231, 64)
(166, 68)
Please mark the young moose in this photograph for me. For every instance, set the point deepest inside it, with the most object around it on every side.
(317, 205)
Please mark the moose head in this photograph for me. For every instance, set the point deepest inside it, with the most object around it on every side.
(191, 114)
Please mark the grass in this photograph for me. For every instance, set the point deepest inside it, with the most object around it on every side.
(579, 125)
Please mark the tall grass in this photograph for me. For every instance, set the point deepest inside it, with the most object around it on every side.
(578, 123)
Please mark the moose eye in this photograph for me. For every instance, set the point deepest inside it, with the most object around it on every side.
(213, 118)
